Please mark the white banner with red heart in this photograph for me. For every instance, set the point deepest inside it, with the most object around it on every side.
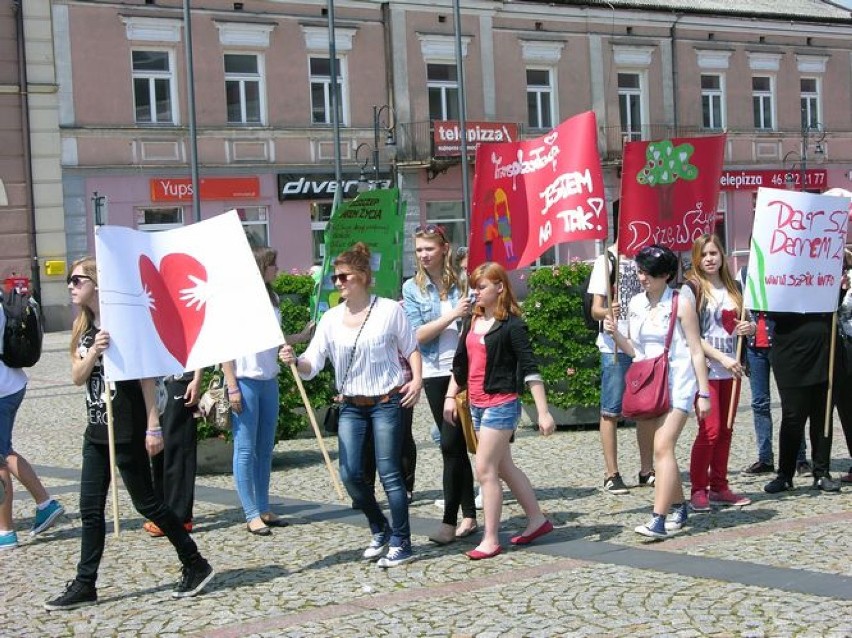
(181, 299)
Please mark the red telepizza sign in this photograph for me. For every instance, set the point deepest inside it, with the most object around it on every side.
(446, 136)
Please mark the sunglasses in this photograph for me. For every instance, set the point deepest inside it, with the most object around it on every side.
(431, 229)
(77, 280)
(341, 277)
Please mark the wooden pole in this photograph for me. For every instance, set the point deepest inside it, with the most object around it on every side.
(829, 407)
(111, 444)
(609, 296)
(732, 407)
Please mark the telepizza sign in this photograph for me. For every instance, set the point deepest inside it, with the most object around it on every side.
(447, 136)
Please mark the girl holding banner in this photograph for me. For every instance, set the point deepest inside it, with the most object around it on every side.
(648, 323)
(713, 291)
(137, 435)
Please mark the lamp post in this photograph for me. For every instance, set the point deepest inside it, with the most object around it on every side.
(389, 139)
(363, 182)
(819, 152)
(99, 202)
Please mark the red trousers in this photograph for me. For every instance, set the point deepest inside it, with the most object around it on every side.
(708, 467)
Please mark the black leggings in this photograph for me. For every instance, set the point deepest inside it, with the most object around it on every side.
(799, 405)
(458, 476)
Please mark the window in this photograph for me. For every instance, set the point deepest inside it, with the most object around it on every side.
(320, 214)
(630, 106)
(255, 223)
(810, 102)
(540, 94)
(451, 216)
(152, 87)
(321, 98)
(761, 99)
(243, 88)
(712, 100)
(153, 219)
(442, 83)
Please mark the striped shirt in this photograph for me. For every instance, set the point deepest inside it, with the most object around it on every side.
(376, 368)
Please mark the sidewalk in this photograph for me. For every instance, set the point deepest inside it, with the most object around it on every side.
(779, 567)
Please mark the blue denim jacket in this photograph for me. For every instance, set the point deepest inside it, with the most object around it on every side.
(421, 307)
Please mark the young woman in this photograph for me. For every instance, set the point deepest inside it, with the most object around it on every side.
(363, 336)
(719, 303)
(435, 304)
(252, 383)
(137, 436)
(493, 350)
(648, 323)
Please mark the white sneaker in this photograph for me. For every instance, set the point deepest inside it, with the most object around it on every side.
(377, 546)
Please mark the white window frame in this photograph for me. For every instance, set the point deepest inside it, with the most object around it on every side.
(319, 223)
(714, 95)
(811, 102)
(632, 133)
(151, 77)
(263, 213)
(446, 87)
(325, 81)
(543, 94)
(243, 79)
(762, 96)
(142, 225)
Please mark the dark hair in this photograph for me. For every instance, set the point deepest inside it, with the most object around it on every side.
(358, 259)
(657, 261)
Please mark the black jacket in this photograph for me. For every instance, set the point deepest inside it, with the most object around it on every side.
(509, 358)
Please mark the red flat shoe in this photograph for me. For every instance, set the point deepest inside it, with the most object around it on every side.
(545, 528)
(475, 554)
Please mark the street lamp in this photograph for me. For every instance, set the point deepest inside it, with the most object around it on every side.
(819, 150)
(386, 124)
(363, 182)
(99, 202)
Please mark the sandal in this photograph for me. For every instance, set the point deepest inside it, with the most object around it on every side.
(463, 533)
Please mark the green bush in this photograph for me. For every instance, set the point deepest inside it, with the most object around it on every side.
(553, 311)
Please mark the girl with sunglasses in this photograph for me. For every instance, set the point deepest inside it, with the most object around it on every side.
(435, 303)
(494, 357)
(364, 336)
(136, 425)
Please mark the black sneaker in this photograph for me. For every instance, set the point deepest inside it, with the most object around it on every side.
(647, 480)
(826, 484)
(804, 469)
(76, 595)
(615, 485)
(777, 485)
(759, 467)
(193, 579)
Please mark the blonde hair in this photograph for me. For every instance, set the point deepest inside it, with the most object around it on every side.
(358, 259)
(506, 302)
(700, 277)
(86, 318)
(449, 276)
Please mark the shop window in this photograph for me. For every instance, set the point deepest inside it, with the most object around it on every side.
(255, 221)
(153, 87)
(320, 214)
(154, 219)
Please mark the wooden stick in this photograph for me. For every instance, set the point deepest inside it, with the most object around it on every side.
(732, 407)
(312, 417)
(111, 444)
(609, 296)
(829, 407)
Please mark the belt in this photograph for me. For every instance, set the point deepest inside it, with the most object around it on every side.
(364, 401)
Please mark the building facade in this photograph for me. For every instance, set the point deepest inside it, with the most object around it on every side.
(777, 80)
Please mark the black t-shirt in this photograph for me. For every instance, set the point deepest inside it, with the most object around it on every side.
(799, 353)
(128, 404)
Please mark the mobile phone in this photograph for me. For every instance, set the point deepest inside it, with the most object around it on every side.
(471, 297)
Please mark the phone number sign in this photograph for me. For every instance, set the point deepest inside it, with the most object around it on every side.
(752, 180)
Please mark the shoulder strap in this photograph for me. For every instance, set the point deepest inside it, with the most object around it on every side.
(672, 320)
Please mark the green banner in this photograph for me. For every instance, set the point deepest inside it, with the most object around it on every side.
(375, 218)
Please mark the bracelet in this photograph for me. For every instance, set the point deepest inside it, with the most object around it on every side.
(158, 433)
(702, 395)
(449, 396)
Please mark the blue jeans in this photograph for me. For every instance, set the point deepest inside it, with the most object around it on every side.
(387, 440)
(8, 409)
(254, 437)
(758, 363)
(499, 417)
(612, 382)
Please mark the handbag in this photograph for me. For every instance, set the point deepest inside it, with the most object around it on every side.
(214, 405)
(646, 384)
(466, 422)
(331, 423)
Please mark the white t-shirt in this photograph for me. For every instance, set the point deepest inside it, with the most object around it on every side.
(261, 366)
(717, 325)
(447, 342)
(628, 287)
(12, 380)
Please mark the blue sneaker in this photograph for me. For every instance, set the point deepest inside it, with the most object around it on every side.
(677, 518)
(656, 528)
(397, 556)
(377, 546)
(8, 541)
(46, 517)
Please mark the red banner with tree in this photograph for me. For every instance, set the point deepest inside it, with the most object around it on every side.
(669, 191)
(534, 194)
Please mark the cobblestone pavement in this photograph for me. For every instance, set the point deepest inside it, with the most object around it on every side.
(779, 567)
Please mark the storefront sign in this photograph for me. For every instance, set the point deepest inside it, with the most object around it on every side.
(446, 136)
(752, 180)
(323, 185)
(179, 189)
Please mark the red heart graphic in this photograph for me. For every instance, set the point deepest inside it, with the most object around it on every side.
(729, 321)
(177, 322)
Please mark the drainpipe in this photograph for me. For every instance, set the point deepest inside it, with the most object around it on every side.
(23, 84)
(673, 38)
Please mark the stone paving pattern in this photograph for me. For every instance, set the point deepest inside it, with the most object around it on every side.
(779, 567)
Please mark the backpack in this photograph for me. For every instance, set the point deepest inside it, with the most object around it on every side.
(23, 333)
(588, 298)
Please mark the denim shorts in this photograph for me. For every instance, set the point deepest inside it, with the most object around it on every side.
(612, 382)
(8, 409)
(499, 417)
